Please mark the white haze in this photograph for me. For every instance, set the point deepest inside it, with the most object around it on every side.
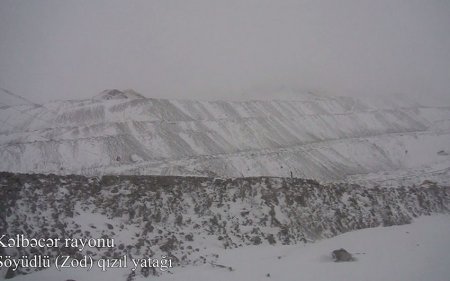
(226, 49)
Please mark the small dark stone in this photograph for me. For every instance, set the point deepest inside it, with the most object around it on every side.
(341, 255)
(189, 237)
(10, 273)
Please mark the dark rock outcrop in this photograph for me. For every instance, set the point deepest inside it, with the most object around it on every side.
(341, 255)
(168, 215)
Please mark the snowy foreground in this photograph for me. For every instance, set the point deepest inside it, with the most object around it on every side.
(419, 251)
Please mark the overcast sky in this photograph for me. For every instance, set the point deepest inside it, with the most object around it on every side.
(221, 49)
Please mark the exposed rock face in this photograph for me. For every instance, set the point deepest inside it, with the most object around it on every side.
(177, 216)
(341, 255)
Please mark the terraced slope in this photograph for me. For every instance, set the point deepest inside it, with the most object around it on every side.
(319, 137)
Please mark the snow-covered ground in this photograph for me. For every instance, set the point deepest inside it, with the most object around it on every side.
(419, 251)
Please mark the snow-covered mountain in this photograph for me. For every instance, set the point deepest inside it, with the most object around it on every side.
(319, 137)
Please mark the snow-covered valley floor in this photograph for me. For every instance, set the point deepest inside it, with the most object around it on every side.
(419, 251)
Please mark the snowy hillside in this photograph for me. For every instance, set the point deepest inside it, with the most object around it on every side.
(192, 219)
(415, 252)
(120, 132)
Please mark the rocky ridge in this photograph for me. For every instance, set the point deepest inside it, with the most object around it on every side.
(191, 218)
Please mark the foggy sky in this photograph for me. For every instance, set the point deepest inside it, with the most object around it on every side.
(210, 49)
